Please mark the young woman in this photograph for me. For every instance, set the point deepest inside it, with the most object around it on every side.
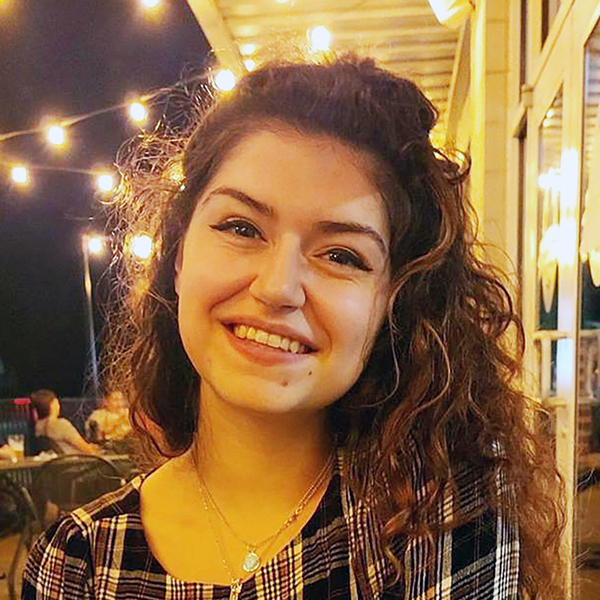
(319, 349)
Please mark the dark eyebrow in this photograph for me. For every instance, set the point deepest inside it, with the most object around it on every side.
(353, 227)
(325, 226)
(264, 209)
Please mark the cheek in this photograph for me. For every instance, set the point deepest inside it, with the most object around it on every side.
(356, 319)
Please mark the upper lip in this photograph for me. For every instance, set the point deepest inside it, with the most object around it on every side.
(278, 328)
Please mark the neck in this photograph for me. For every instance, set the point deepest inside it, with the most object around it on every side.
(253, 453)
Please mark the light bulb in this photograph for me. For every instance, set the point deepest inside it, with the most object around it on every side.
(19, 174)
(225, 80)
(248, 49)
(319, 38)
(105, 182)
(138, 112)
(56, 135)
(250, 64)
(95, 244)
(150, 3)
(141, 246)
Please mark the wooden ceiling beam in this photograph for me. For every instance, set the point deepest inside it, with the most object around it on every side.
(377, 36)
(218, 34)
(332, 18)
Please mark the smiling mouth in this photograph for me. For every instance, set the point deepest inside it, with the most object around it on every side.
(272, 340)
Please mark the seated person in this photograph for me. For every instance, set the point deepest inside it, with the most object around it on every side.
(60, 431)
(111, 422)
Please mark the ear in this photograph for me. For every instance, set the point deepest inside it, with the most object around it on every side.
(178, 265)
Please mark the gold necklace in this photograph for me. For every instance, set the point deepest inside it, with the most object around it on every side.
(251, 560)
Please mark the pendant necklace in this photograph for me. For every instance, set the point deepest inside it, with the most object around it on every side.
(252, 559)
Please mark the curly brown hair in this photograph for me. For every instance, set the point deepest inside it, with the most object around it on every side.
(441, 386)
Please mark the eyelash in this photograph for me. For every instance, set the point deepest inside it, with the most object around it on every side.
(232, 224)
(348, 258)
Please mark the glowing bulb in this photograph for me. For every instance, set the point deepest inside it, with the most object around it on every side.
(282, 1)
(319, 38)
(250, 64)
(225, 80)
(19, 174)
(95, 244)
(248, 49)
(174, 172)
(138, 112)
(141, 246)
(150, 3)
(105, 182)
(56, 135)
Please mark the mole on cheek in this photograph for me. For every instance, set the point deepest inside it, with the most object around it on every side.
(309, 373)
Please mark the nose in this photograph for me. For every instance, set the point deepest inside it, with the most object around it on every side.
(278, 282)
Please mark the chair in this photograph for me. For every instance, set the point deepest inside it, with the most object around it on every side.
(17, 515)
(69, 481)
(46, 444)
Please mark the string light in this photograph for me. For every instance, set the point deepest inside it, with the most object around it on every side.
(319, 38)
(105, 182)
(95, 244)
(141, 246)
(248, 49)
(174, 172)
(225, 80)
(19, 174)
(250, 64)
(150, 3)
(138, 112)
(56, 135)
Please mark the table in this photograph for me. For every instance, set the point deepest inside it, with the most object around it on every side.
(22, 471)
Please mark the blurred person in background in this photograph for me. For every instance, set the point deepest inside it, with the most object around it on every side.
(60, 431)
(110, 423)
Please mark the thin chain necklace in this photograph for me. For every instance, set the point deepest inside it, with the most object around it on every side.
(251, 561)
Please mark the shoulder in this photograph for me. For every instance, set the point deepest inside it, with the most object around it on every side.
(121, 503)
(62, 423)
(63, 560)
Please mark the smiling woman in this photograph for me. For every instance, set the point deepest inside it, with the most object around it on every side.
(258, 255)
(325, 361)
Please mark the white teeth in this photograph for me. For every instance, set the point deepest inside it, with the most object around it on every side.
(262, 337)
(269, 339)
(274, 340)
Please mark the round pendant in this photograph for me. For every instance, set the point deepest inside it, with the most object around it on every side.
(251, 562)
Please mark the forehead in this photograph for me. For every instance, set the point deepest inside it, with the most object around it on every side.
(315, 173)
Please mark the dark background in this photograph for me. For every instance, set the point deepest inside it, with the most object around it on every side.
(68, 57)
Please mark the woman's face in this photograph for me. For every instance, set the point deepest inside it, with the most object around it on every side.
(282, 276)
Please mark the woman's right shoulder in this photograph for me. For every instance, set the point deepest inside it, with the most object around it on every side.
(64, 554)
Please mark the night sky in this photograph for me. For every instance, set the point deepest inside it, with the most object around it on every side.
(67, 57)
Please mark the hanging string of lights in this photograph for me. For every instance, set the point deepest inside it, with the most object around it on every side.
(55, 130)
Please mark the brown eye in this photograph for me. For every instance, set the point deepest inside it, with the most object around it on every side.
(346, 258)
(239, 228)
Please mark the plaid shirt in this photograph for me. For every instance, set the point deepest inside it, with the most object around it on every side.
(100, 551)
